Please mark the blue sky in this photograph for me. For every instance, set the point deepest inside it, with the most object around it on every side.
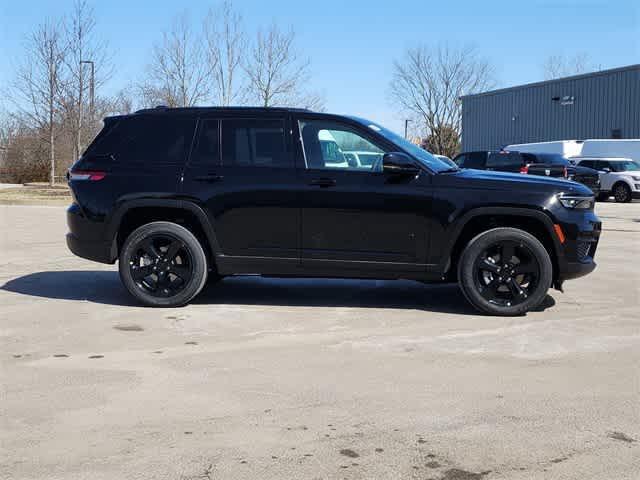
(353, 43)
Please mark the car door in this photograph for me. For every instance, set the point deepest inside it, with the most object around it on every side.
(356, 218)
(242, 170)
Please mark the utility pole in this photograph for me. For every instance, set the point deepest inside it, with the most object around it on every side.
(406, 128)
(92, 92)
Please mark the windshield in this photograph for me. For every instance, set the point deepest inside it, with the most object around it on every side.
(415, 151)
(625, 166)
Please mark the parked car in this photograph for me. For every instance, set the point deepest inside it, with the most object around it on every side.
(179, 196)
(566, 148)
(546, 164)
(611, 148)
(619, 177)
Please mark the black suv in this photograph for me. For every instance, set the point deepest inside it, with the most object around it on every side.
(545, 164)
(180, 196)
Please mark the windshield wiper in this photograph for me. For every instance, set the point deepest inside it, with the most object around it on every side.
(450, 170)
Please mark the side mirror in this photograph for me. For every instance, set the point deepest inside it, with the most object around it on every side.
(606, 170)
(398, 163)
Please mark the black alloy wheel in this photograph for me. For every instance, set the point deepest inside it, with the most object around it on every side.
(505, 271)
(163, 264)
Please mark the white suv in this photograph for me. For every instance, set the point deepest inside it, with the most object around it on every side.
(619, 177)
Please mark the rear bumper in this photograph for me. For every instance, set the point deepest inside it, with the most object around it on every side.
(86, 237)
(96, 251)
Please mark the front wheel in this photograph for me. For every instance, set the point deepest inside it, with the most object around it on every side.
(162, 264)
(505, 271)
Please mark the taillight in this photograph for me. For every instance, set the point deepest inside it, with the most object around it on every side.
(565, 173)
(91, 175)
(524, 169)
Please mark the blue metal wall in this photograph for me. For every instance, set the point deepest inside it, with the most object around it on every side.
(602, 102)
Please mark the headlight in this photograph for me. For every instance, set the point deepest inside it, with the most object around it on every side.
(576, 203)
(637, 179)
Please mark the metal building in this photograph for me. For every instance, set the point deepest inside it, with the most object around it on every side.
(603, 104)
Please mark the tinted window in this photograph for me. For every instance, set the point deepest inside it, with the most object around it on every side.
(511, 159)
(552, 159)
(473, 160)
(588, 163)
(147, 139)
(254, 143)
(207, 148)
(460, 160)
(624, 166)
(333, 145)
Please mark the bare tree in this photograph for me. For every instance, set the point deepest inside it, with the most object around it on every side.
(86, 53)
(428, 84)
(180, 74)
(277, 74)
(558, 66)
(226, 46)
(38, 85)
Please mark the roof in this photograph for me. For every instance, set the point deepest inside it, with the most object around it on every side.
(162, 109)
(555, 80)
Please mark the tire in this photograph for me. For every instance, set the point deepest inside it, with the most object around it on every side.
(621, 192)
(603, 197)
(163, 264)
(527, 273)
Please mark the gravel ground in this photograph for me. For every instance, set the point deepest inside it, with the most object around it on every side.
(310, 379)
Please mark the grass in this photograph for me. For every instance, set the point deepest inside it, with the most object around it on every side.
(35, 195)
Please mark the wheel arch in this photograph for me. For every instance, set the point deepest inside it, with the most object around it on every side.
(131, 214)
(621, 181)
(480, 220)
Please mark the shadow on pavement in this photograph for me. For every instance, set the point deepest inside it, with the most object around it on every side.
(105, 287)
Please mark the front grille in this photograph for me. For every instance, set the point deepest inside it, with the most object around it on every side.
(583, 250)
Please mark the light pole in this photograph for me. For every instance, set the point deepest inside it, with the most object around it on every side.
(406, 127)
(92, 85)
(91, 101)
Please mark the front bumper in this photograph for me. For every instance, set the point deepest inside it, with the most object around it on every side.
(582, 232)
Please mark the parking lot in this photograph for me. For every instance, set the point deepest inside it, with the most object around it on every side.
(269, 379)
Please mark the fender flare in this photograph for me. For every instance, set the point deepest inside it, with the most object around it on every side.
(126, 206)
(463, 220)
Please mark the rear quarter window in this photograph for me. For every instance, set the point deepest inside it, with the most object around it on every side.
(150, 139)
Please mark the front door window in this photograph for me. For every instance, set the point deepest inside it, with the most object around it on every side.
(334, 146)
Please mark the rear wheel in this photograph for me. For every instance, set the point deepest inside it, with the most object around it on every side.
(505, 271)
(162, 264)
(622, 193)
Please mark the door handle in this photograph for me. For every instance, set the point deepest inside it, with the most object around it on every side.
(209, 178)
(323, 182)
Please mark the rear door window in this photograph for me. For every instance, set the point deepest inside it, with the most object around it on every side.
(255, 143)
(207, 148)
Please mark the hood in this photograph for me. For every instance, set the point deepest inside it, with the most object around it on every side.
(510, 181)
